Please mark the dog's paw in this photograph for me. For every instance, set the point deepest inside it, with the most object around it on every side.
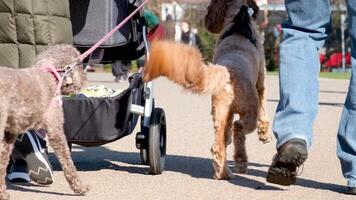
(225, 175)
(241, 168)
(4, 195)
(82, 189)
(265, 138)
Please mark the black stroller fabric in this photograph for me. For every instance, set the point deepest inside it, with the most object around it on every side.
(96, 121)
(92, 19)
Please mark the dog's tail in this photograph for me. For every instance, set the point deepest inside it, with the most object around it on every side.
(184, 65)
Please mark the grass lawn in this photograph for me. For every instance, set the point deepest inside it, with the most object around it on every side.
(330, 75)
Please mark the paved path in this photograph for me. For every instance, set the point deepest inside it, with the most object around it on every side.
(114, 172)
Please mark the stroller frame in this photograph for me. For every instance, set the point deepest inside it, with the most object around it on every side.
(83, 115)
(151, 140)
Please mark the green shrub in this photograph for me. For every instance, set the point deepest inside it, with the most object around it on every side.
(208, 42)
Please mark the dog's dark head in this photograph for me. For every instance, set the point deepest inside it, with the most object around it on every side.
(219, 11)
(61, 56)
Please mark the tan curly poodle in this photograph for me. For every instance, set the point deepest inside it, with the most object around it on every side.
(28, 101)
(235, 78)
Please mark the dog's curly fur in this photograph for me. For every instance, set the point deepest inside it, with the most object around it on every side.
(235, 80)
(25, 103)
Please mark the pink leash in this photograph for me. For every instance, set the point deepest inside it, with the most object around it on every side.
(108, 35)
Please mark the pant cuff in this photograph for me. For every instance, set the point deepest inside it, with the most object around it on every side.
(351, 183)
(293, 136)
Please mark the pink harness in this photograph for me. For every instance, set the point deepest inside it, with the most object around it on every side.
(57, 97)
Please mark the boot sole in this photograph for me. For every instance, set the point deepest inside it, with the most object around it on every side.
(294, 156)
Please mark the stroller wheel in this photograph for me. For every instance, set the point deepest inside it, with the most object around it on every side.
(157, 141)
(144, 156)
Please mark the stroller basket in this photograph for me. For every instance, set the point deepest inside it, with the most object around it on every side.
(97, 121)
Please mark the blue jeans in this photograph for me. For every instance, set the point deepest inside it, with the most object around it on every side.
(304, 34)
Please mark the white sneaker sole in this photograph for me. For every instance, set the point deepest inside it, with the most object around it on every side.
(38, 168)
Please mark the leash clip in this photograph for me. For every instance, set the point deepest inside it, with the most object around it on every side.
(68, 68)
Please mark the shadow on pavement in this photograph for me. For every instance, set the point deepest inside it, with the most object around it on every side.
(29, 187)
(98, 158)
(304, 182)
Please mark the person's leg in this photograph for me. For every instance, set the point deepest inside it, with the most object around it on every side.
(140, 64)
(125, 69)
(303, 34)
(346, 138)
(116, 71)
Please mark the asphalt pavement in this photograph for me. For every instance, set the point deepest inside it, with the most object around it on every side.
(114, 171)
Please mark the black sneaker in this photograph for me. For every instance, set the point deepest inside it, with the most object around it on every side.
(290, 156)
(33, 149)
(18, 172)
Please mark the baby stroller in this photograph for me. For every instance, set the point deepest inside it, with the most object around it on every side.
(92, 121)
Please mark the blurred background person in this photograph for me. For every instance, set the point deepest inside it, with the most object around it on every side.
(197, 39)
(186, 36)
(120, 69)
(170, 28)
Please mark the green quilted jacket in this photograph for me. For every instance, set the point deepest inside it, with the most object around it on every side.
(28, 26)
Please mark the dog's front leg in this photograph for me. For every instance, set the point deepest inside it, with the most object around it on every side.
(263, 121)
(58, 142)
(240, 155)
(6, 146)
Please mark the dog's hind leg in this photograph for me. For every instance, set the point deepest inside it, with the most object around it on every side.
(263, 121)
(57, 140)
(222, 117)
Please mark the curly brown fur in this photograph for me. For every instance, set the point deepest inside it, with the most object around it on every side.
(25, 104)
(215, 17)
(235, 80)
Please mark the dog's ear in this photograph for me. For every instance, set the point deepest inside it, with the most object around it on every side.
(254, 6)
(216, 13)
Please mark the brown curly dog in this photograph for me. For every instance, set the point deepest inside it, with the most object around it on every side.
(28, 101)
(235, 79)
